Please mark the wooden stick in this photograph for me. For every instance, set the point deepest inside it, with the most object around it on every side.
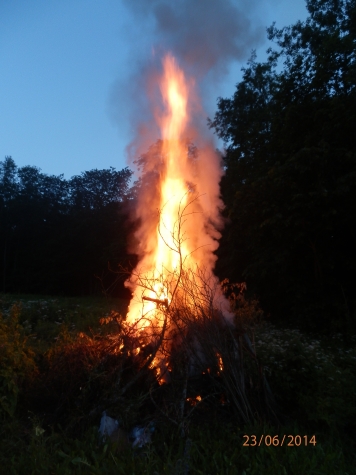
(158, 301)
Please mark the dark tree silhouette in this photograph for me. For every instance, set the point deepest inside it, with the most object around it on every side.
(290, 183)
(59, 236)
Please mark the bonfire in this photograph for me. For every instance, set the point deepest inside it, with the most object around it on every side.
(179, 322)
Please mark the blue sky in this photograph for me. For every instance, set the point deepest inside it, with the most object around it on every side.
(67, 67)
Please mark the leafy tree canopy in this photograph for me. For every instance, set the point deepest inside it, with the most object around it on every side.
(56, 235)
(290, 183)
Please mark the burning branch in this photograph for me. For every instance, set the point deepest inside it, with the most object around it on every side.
(157, 301)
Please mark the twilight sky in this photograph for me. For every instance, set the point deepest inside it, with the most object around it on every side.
(71, 69)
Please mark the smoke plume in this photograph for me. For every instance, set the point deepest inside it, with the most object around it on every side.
(204, 35)
(198, 39)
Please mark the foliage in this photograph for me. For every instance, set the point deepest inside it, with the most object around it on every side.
(58, 432)
(45, 319)
(60, 235)
(290, 171)
(211, 449)
(310, 377)
(16, 358)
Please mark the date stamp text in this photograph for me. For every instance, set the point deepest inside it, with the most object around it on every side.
(279, 441)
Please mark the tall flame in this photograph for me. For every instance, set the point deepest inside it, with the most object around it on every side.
(175, 93)
(188, 201)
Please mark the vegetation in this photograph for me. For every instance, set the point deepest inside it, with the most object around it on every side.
(59, 236)
(290, 164)
(63, 379)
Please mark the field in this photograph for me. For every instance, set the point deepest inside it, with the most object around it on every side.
(59, 371)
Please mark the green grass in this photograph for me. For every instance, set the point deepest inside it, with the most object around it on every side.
(213, 450)
(54, 372)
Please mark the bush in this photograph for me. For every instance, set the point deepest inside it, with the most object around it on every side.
(17, 360)
(309, 379)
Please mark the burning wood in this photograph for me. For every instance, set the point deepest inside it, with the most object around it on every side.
(157, 301)
(178, 312)
(182, 235)
(193, 401)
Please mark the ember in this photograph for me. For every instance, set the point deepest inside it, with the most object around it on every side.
(193, 401)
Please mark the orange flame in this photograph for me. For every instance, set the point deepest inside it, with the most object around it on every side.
(220, 361)
(188, 203)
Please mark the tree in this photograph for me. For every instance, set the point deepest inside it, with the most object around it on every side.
(96, 189)
(290, 186)
(57, 235)
(8, 190)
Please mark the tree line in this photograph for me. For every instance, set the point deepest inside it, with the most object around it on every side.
(62, 236)
(290, 182)
(289, 188)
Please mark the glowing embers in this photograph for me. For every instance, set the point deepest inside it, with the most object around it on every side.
(220, 362)
(160, 366)
(193, 401)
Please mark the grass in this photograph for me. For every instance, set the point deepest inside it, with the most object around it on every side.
(214, 450)
(45, 318)
(56, 370)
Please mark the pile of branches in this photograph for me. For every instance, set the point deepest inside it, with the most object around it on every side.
(192, 355)
(199, 342)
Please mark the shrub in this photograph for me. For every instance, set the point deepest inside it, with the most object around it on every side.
(309, 380)
(17, 360)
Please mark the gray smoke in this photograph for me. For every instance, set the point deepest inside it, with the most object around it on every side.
(205, 35)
